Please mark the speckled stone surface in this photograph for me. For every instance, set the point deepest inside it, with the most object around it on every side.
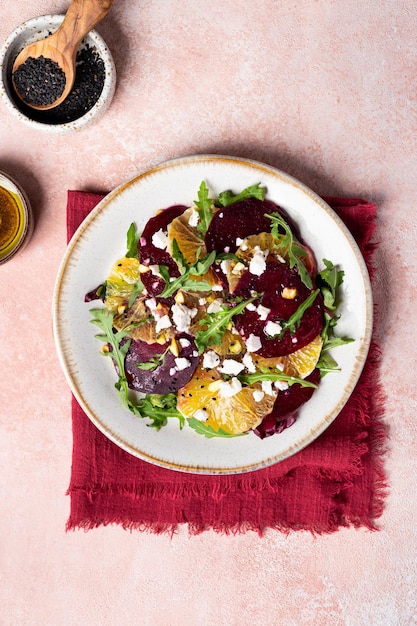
(326, 91)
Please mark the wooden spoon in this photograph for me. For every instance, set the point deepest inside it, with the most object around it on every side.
(61, 47)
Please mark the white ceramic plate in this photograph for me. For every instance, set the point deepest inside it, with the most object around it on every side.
(101, 239)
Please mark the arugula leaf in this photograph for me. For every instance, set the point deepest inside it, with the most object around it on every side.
(207, 431)
(132, 242)
(217, 324)
(104, 320)
(153, 362)
(294, 250)
(227, 197)
(199, 268)
(294, 321)
(138, 288)
(158, 408)
(204, 204)
(329, 280)
(248, 379)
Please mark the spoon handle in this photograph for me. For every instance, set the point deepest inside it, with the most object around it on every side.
(81, 17)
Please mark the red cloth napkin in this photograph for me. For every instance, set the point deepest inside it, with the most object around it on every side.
(336, 481)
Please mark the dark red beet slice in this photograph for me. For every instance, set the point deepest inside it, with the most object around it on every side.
(161, 380)
(242, 219)
(271, 284)
(151, 255)
(286, 406)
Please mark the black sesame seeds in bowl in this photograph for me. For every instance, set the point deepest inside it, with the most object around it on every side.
(94, 85)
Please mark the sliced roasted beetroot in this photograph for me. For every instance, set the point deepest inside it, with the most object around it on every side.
(149, 254)
(288, 402)
(239, 220)
(167, 376)
(96, 294)
(271, 285)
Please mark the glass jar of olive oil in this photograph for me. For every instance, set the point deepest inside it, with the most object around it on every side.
(16, 222)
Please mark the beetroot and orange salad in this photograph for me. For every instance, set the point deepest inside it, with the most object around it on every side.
(217, 316)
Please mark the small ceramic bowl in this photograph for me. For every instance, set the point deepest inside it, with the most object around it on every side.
(56, 120)
(16, 219)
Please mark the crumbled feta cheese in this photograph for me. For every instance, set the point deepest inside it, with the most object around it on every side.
(182, 316)
(258, 395)
(194, 218)
(263, 312)
(201, 415)
(215, 306)
(151, 304)
(239, 241)
(250, 307)
(225, 266)
(253, 343)
(294, 340)
(155, 270)
(231, 367)
(172, 371)
(163, 322)
(217, 288)
(160, 239)
(226, 249)
(248, 363)
(210, 360)
(230, 388)
(272, 328)
(182, 363)
(202, 301)
(244, 246)
(281, 385)
(257, 263)
(267, 387)
(184, 343)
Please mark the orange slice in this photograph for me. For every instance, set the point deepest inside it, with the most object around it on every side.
(190, 243)
(236, 414)
(187, 237)
(300, 363)
(305, 360)
(123, 275)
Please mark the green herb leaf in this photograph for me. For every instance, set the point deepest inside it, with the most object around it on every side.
(249, 379)
(103, 319)
(158, 408)
(329, 281)
(216, 325)
(227, 197)
(294, 321)
(132, 242)
(154, 362)
(138, 288)
(204, 205)
(293, 249)
(207, 431)
(199, 268)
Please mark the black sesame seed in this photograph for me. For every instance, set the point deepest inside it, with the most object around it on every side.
(88, 85)
(39, 81)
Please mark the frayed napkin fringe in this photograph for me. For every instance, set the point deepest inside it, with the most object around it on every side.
(194, 529)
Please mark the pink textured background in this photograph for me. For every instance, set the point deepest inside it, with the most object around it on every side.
(325, 90)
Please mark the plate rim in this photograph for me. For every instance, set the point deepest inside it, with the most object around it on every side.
(348, 389)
